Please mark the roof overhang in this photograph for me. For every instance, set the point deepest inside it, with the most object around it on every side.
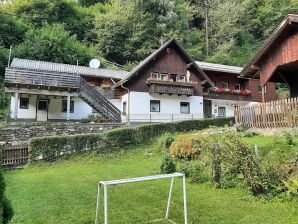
(203, 77)
(251, 69)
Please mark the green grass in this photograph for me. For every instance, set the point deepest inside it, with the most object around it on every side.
(65, 192)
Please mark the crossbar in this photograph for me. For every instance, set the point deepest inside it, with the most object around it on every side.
(105, 185)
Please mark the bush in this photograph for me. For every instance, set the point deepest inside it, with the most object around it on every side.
(6, 211)
(186, 147)
(196, 170)
(165, 141)
(49, 148)
(167, 164)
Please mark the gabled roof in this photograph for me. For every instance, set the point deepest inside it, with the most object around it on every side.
(152, 56)
(66, 68)
(205, 66)
(288, 21)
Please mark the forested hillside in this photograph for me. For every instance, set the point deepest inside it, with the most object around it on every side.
(126, 31)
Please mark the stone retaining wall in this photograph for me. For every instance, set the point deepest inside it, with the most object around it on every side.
(19, 136)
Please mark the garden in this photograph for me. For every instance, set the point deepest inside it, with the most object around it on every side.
(229, 178)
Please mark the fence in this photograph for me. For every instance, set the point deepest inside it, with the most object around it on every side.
(280, 113)
(160, 118)
(15, 155)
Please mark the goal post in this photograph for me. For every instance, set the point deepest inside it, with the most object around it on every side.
(106, 184)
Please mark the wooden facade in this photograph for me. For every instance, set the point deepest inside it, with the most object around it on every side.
(171, 60)
(277, 60)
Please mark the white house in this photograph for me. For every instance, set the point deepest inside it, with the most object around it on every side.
(168, 85)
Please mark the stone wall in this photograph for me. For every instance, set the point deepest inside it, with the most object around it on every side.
(19, 136)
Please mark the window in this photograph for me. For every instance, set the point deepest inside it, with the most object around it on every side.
(164, 77)
(215, 84)
(173, 77)
(184, 108)
(238, 87)
(64, 106)
(182, 78)
(24, 103)
(155, 75)
(124, 108)
(260, 88)
(154, 106)
(221, 111)
(225, 85)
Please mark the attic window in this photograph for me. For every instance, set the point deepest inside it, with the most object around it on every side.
(164, 77)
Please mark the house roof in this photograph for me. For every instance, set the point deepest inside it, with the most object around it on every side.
(152, 56)
(205, 66)
(289, 20)
(66, 68)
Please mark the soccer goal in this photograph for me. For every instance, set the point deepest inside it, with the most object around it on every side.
(106, 184)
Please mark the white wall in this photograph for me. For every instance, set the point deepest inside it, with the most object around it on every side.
(24, 113)
(140, 106)
(228, 104)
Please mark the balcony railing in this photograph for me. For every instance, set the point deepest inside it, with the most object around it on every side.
(39, 78)
(170, 87)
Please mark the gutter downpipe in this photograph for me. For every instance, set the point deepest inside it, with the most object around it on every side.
(128, 104)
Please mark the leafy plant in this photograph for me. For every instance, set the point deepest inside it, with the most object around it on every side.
(167, 164)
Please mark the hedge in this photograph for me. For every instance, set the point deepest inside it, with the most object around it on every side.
(49, 148)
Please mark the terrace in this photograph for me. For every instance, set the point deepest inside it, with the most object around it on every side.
(227, 94)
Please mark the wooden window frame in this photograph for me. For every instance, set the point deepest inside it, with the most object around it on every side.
(223, 83)
(239, 85)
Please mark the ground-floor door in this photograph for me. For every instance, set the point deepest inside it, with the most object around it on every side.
(207, 108)
(42, 110)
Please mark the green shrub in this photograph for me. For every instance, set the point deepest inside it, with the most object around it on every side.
(165, 141)
(49, 148)
(196, 170)
(292, 186)
(6, 211)
(167, 164)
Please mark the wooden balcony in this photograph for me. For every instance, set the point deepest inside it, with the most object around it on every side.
(40, 80)
(227, 96)
(169, 87)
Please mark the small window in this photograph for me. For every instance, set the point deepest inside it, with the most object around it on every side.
(238, 87)
(260, 88)
(154, 106)
(215, 84)
(225, 85)
(182, 78)
(173, 77)
(221, 111)
(155, 75)
(124, 107)
(165, 77)
(24, 103)
(64, 106)
(184, 108)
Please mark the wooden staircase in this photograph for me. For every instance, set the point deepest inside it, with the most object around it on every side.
(98, 102)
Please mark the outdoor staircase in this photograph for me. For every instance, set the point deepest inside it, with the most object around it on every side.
(98, 101)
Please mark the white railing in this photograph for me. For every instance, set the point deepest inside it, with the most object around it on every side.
(160, 118)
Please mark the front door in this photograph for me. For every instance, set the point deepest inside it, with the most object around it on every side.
(207, 108)
(42, 110)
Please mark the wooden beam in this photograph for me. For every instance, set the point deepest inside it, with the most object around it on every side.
(255, 67)
(283, 78)
(189, 65)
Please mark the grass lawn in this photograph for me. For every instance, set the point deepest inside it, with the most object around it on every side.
(65, 192)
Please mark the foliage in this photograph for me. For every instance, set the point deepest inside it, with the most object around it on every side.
(92, 118)
(6, 211)
(53, 43)
(292, 186)
(167, 164)
(71, 184)
(196, 170)
(49, 148)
